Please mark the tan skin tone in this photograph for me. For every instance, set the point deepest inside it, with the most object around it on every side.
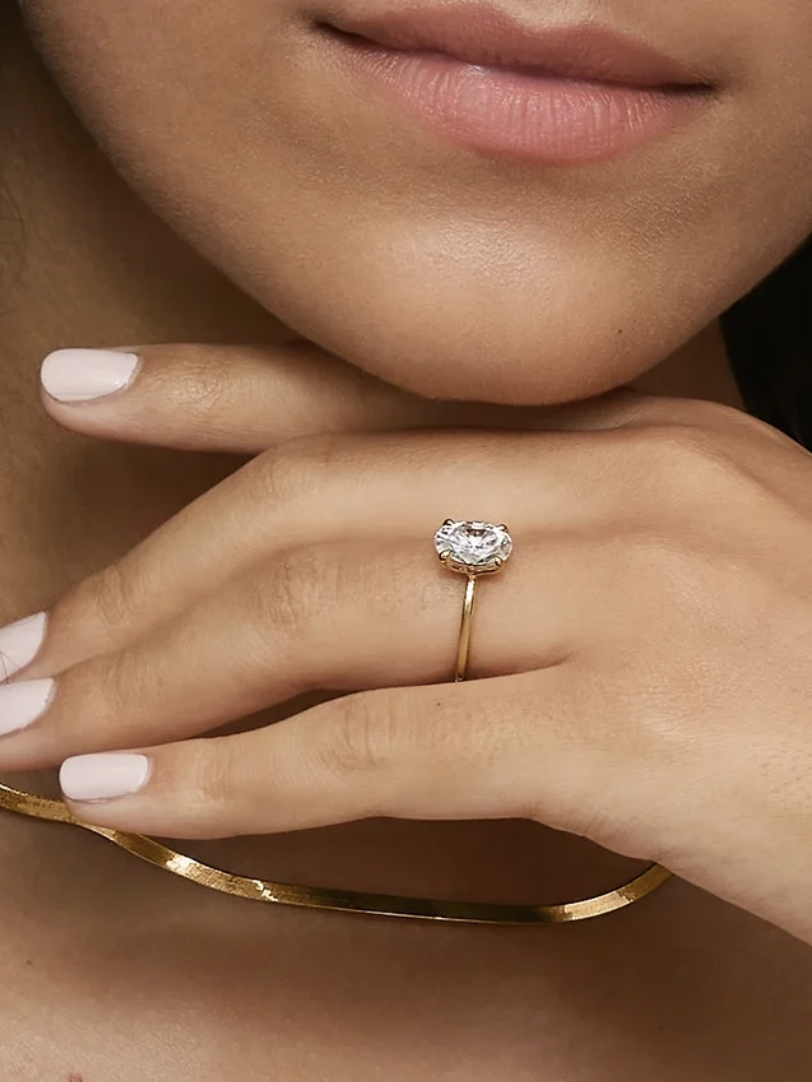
(113, 970)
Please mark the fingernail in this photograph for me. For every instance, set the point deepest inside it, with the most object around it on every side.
(76, 375)
(22, 703)
(103, 776)
(20, 642)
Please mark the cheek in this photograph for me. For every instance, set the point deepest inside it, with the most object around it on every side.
(443, 271)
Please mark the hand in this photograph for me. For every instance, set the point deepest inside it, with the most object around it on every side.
(643, 665)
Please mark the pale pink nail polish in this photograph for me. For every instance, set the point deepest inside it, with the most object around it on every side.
(103, 776)
(20, 642)
(76, 375)
(21, 704)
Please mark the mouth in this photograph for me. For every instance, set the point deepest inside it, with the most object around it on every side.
(559, 95)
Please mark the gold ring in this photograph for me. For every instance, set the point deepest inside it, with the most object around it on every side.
(471, 549)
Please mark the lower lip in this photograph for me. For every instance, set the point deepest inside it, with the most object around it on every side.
(509, 113)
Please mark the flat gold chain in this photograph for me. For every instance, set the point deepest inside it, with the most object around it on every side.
(347, 901)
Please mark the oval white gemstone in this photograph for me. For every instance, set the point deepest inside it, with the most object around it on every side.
(473, 543)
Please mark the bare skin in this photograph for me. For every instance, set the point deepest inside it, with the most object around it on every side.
(115, 971)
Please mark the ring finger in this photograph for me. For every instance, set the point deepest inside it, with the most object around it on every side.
(347, 488)
(335, 616)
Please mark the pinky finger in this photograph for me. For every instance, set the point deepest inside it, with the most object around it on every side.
(451, 751)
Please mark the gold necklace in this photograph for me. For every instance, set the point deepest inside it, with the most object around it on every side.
(348, 901)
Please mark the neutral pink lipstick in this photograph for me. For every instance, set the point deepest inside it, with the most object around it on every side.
(560, 96)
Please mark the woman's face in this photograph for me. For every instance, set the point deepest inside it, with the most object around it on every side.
(441, 266)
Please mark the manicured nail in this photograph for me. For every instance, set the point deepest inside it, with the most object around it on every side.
(76, 375)
(19, 643)
(22, 703)
(103, 776)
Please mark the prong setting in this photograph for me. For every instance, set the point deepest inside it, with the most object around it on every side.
(472, 547)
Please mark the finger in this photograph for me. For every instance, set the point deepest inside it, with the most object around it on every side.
(449, 752)
(329, 617)
(419, 753)
(246, 398)
(346, 488)
(241, 399)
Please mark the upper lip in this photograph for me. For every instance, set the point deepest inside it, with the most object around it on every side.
(482, 35)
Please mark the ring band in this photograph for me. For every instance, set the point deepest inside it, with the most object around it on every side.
(471, 548)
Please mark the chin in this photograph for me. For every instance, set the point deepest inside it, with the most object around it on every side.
(509, 331)
(487, 364)
(484, 376)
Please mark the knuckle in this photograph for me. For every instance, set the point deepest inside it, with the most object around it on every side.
(294, 469)
(710, 448)
(201, 391)
(687, 462)
(207, 778)
(113, 595)
(686, 447)
(112, 686)
(372, 730)
(99, 700)
(723, 417)
(708, 413)
(297, 589)
(277, 475)
(362, 734)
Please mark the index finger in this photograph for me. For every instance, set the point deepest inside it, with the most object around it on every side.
(243, 399)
